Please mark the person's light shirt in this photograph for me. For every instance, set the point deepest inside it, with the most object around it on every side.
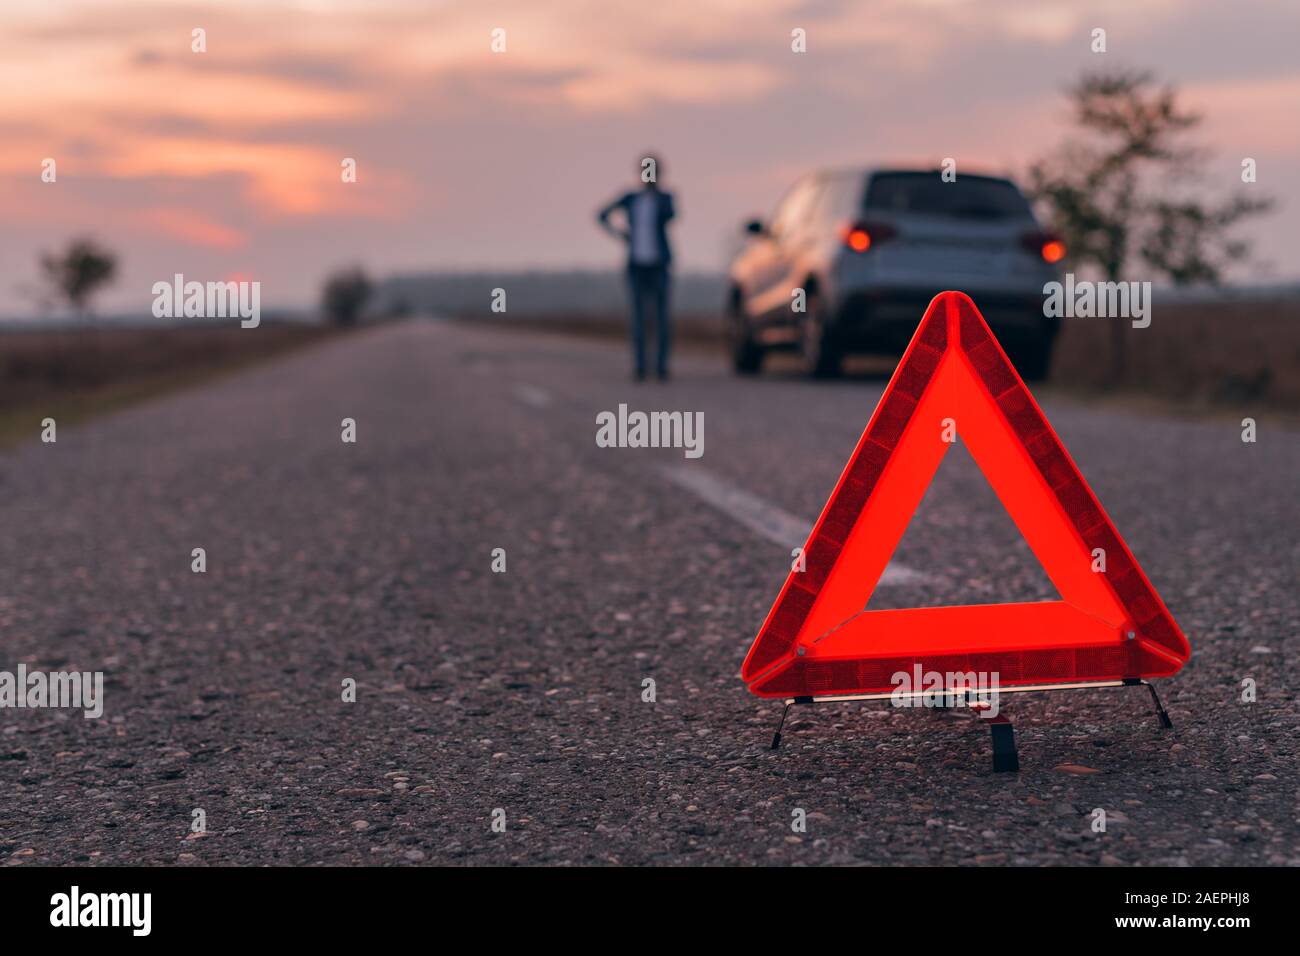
(643, 227)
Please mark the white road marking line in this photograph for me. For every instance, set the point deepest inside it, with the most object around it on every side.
(532, 396)
(762, 517)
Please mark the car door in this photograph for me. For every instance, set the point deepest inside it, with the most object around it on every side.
(801, 234)
(768, 267)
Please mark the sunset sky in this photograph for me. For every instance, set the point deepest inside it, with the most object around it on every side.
(226, 163)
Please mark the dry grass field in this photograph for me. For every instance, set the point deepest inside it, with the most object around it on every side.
(1230, 354)
(71, 374)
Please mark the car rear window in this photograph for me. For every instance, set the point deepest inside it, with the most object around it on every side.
(967, 197)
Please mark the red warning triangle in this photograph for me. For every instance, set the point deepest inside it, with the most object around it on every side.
(817, 639)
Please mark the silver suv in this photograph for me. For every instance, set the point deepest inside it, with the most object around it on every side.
(870, 249)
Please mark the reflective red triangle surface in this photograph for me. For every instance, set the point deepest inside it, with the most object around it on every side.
(1109, 624)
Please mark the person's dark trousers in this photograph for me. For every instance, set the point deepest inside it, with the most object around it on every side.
(648, 287)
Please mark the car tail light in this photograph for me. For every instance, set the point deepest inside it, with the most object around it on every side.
(862, 235)
(1045, 244)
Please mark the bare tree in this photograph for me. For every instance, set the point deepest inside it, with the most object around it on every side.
(345, 295)
(76, 273)
(1122, 192)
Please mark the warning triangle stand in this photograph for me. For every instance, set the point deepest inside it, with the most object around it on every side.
(1109, 629)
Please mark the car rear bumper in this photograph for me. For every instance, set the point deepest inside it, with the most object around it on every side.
(885, 320)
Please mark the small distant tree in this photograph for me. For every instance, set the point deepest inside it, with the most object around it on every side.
(76, 273)
(1121, 192)
(345, 294)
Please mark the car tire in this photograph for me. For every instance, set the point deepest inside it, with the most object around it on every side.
(1032, 357)
(820, 354)
(746, 354)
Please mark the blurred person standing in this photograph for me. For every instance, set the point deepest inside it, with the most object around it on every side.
(646, 213)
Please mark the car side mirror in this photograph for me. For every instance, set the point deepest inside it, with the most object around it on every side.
(755, 228)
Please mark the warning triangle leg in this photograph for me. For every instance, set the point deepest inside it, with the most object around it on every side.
(1005, 757)
(1165, 722)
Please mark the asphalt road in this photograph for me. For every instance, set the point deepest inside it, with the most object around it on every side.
(523, 691)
